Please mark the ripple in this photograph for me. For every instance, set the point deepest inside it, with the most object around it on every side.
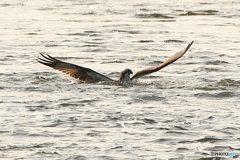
(209, 139)
(153, 15)
(127, 31)
(150, 121)
(77, 157)
(219, 148)
(228, 82)
(201, 12)
(31, 34)
(216, 62)
(215, 95)
(163, 140)
(145, 98)
(174, 40)
(46, 153)
(145, 41)
(182, 149)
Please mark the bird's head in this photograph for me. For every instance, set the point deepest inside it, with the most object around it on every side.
(125, 75)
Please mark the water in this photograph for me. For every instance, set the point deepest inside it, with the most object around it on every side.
(185, 111)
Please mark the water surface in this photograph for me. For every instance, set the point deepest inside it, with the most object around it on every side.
(185, 111)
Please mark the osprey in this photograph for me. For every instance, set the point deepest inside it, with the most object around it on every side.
(89, 75)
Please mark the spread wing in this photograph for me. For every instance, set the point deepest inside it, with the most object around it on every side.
(162, 65)
(78, 72)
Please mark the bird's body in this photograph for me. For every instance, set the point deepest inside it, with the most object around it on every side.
(89, 75)
(125, 75)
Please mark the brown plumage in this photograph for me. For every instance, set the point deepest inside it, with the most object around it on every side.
(78, 72)
(172, 59)
(89, 75)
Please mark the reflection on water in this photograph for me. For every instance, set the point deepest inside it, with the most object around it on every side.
(185, 111)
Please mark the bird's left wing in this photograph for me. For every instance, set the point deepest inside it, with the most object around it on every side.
(78, 72)
(162, 65)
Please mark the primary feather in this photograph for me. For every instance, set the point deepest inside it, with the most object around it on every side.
(78, 72)
(172, 59)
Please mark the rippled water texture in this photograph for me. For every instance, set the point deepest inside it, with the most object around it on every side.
(185, 111)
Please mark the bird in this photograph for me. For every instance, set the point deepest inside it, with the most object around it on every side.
(88, 75)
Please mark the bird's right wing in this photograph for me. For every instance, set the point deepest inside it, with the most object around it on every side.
(78, 72)
(162, 65)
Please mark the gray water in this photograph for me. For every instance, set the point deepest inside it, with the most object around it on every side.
(185, 111)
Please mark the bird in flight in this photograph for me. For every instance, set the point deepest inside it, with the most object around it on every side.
(89, 75)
